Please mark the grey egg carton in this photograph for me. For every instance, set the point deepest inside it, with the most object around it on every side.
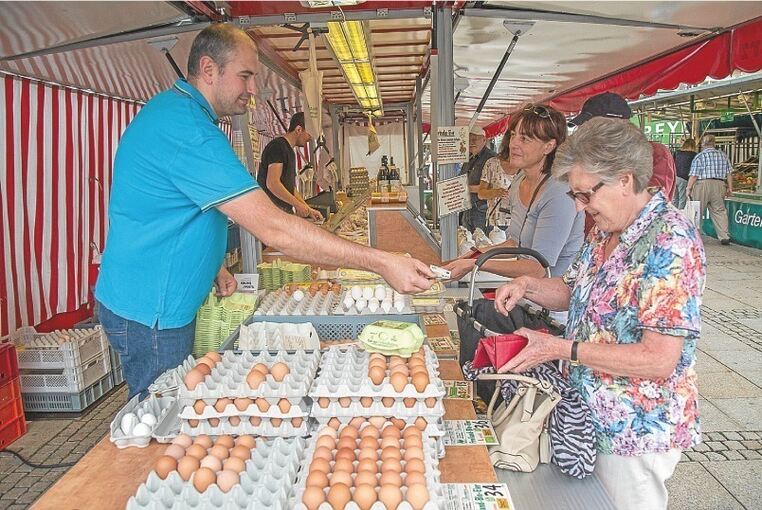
(353, 309)
(433, 484)
(267, 483)
(160, 407)
(228, 377)
(434, 426)
(398, 409)
(299, 409)
(265, 428)
(167, 384)
(280, 303)
(278, 336)
(344, 373)
(169, 427)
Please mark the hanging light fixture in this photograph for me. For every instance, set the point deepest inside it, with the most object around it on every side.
(350, 43)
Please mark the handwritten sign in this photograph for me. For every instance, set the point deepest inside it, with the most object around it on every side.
(459, 389)
(461, 432)
(477, 496)
(452, 144)
(453, 195)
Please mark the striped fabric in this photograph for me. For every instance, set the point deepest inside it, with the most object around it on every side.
(56, 150)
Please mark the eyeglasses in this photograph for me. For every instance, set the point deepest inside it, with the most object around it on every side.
(539, 110)
(584, 196)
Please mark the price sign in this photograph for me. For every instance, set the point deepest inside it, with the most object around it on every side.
(453, 195)
(478, 496)
(452, 144)
(463, 432)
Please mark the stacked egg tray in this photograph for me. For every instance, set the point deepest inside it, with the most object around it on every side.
(372, 300)
(266, 483)
(313, 501)
(154, 413)
(167, 384)
(280, 302)
(343, 389)
(231, 406)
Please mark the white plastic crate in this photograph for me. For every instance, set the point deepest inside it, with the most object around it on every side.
(85, 345)
(69, 380)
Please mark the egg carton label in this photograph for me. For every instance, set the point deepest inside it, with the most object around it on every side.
(477, 496)
(266, 483)
(469, 432)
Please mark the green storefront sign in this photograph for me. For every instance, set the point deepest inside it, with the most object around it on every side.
(744, 222)
(662, 131)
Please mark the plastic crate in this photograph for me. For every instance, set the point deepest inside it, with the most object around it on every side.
(10, 391)
(328, 327)
(117, 375)
(67, 402)
(10, 411)
(69, 380)
(66, 355)
(9, 365)
(12, 431)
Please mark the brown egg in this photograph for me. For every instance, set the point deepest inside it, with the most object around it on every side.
(390, 477)
(339, 495)
(220, 452)
(370, 431)
(323, 453)
(366, 401)
(284, 405)
(243, 403)
(255, 420)
(413, 452)
(279, 371)
(417, 495)
(226, 441)
(206, 361)
(214, 421)
(421, 423)
(387, 401)
(367, 465)
(420, 381)
(296, 422)
(376, 375)
(343, 465)
(187, 466)
(430, 402)
(368, 453)
(211, 462)
(246, 441)
(326, 441)
(183, 440)
(276, 422)
(349, 431)
(193, 423)
(323, 402)
(193, 378)
(334, 423)
(357, 422)
(345, 453)
(396, 360)
(401, 369)
(414, 478)
(204, 369)
(196, 450)
(369, 442)
(203, 478)
(391, 452)
(364, 496)
(345, 402)
(199, 406)
(391, 431)
(415, 466)
(313, 497)
(366, 478)
(377, 421)
(390, 495)
(204, 441)
(234, 420)
(327, 431)
(221, 404)
(413, 442)
(234, 464)
(391, 464)
(399, 423)
(389, 441)
(320, 465)
(346, 442)
(399, 381)
(241, 452)
(316, 478)
(175, 451)
(409, 402)
(254, 379)
(415, 361)
(226, 480)
(262, 404)
(214, 355)
(341, 478)
(165, 465)
(261, 368)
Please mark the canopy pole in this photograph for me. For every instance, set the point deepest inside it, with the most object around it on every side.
(337, 156)
(421, 172)
(410, 145)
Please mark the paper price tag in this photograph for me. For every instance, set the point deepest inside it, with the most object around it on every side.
(462, 432)
(478, 496)
(434, 319)
(459, 389)
(441, 343)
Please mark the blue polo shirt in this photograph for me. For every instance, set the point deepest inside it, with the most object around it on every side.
(166, 239)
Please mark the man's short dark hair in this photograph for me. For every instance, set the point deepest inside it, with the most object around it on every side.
(217, 41)
(296, 121)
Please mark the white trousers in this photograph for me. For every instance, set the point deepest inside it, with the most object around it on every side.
(637, 483)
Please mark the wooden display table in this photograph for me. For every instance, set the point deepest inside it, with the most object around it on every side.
(107, 477)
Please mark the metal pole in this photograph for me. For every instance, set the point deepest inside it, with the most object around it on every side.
(443, 104)
(251, 248)
(494, 79)
(419, 144)
(335, 149)
(410, 163)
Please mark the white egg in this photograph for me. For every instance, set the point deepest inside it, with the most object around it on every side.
(348, 302)
(128, 423)
(399, 305)
(356, 292)
(140, 413)
(141, 430)
(361, 304)
(386, 305)
(373, 305)
(367, 292)
(298, 295)
(149, 420)
(380, 292)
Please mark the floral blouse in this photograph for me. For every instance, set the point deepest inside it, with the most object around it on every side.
(494, 175)
(653, 280)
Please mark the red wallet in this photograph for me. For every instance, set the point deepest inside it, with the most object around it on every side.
(496, 351)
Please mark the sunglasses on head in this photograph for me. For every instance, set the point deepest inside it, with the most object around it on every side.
(584, 196)
(539, 110)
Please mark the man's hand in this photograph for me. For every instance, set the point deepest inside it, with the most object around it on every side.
(509, 294)
(542, 347)
(302, 210)
(225, 282)
(459, 268)
(406, 274)
(315, 214)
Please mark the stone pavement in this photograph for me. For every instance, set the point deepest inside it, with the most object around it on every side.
(724, 472)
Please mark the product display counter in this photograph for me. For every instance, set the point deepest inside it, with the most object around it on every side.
(394, 227)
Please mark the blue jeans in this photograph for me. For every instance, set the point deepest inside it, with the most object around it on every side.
(145, 352)
(476, 217)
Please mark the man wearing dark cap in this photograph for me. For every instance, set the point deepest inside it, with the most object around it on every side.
(615, 106)
(277, 170)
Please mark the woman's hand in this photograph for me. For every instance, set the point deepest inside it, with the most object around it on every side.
(509, 294)
(542, 347)
(460, 267)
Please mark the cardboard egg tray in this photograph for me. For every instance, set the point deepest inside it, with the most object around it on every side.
(280, 303)
(342, 309)
(398, 409)
(159, 407)
(267, 482)
(228, 377)
(299, 409)
(265, 428)
(167, 384)
(344, 373)
(436, 492)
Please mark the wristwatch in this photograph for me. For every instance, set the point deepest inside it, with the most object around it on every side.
(573, 358)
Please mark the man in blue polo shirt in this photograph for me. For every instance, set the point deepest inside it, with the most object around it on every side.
(176, 180)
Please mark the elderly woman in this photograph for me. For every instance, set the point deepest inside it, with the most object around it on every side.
(633, 295)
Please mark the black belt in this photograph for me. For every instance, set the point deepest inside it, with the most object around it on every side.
(712, 179)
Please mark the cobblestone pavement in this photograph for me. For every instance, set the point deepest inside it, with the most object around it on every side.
(723, 472)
